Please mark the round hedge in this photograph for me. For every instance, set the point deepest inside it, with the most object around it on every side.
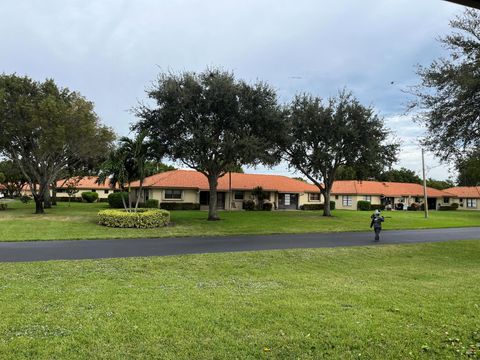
(143, 218)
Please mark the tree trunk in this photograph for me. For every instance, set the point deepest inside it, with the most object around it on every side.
(212, 206)
(326, 206)
(54, 194)
(47, 201)
(39, 206)
(139, 195)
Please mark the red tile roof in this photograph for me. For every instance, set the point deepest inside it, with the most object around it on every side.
(189, 179)
(388, 189)
(465, 191)
(2, 187)
(86, 182)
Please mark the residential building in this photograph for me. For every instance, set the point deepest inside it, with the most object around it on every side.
(467, 197)
(83, 184)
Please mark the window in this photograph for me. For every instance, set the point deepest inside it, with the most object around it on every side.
(314, 197)
(446, 200)
(368, 198)
(93, 190)
(346, 200)
(106, 191)
(173, 194)
(417, 199)
(336, 197)
(471, 203)
(238, 195)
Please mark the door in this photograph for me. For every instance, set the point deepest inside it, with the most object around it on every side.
(288, 201)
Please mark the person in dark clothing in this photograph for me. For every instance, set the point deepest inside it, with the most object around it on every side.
(376, 223)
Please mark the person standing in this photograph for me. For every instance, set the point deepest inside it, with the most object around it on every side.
(376, 223)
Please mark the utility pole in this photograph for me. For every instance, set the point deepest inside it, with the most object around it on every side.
(425, 199)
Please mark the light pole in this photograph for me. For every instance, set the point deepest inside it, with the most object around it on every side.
(425, 199)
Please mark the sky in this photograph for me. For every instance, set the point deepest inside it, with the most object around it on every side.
(111, 51)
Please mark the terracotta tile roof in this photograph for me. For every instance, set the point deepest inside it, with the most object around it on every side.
(86, 182)
(465, 191)
(189, 179)
(2, 187)
(388, 189)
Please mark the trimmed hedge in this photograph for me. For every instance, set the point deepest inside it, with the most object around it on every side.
(89, 196)
(249, 205)
(142, 219)
(448, 207)
(363, 205)
(152, 204)
(317, 206)
(3, 206)
(25, 199)
(115, 200)
(179, 206)
(267, 206)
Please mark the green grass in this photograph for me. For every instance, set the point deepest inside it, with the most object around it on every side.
(385, 302)
(79, 222)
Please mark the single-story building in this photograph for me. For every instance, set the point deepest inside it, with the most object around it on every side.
(84, 184)
(346, 194)
(188, 186)
(467, 197)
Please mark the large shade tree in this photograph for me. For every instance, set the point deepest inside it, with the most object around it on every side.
(212, 123)
(448, 97)
(469, 170)
(45, 129)
(322, 136)
(14, 180)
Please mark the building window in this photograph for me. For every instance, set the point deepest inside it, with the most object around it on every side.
(336, 197)
(346, 200)
(446, 200)
(314, 197)
(106, 191)
(238, 195)
(417, 199)
(93, 190)
(368, 198)
(173, 194)
(471, 203)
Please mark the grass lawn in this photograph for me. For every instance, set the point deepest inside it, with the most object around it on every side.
(78, 221)
(385, 302)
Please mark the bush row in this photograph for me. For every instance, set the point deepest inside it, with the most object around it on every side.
(454, 206)
(179, 206)
(317, 206)
(3, 206)
(142, 219)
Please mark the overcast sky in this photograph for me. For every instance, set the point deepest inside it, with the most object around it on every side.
(110, 51)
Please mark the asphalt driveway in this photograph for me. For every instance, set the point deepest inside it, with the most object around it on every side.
(119, 248)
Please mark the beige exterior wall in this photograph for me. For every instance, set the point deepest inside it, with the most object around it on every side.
(101, 193)
(463, 201)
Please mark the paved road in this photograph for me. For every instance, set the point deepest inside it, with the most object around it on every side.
(95, 249)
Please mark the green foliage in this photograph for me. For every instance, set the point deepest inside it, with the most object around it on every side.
(2, 177)
(153, 167)
(317, 133)
(115, 200)
(152, 204)
(25, 199)
(249, 205)
(179, 206)
(447, 96)
(90, 196)
(363, 205)
(142, 218)
(403, 175)
(469, 170)
(267, 206)
(3, 206)
(451, 207)
(212, 122)
(440, 184)
(312, 207)
(14, 180)
(414, 207)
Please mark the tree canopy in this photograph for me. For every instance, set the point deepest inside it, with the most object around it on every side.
(45, 129)
(212, 122)
(322, 136)
(400, 175)
(469, 170)
(448, 97)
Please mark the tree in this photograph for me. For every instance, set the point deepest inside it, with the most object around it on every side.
(45, 129)
(402, 175)
(126, 164)
(469, 170)
(440, 184)
(212, 123)
(72, 189)
(448, 97)
(14, 180)
(321, 137)
(155, 167)
(2, 178)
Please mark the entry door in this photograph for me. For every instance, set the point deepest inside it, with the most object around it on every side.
(288, 201)
(221, 200)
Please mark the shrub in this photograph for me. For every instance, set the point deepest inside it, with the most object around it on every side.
(179, 206)
(115, 200)
(3, 206)
(317, 206)
(267, 206)
(448, 207)
(89, 196)
(363, 205)
(377, 207)
(414, 207)
(249, 205)
(25, 199)
(454, 206)
(143, 218)
(152, 204)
